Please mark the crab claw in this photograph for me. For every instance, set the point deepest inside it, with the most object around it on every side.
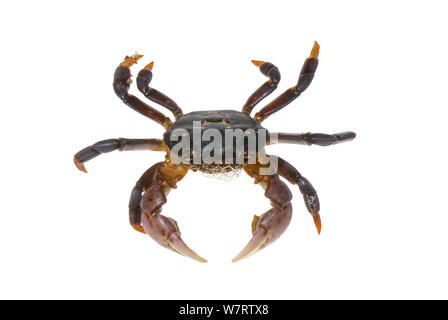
(266, 229)
(165, 232)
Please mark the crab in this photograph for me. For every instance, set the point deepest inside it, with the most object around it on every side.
(149, 194)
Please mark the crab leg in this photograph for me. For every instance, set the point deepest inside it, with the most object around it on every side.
(122, 81)
(287, 171)
(143, 79)
(268, 227)
(268, 70)
(110, 145)
(305, 78)
(157, 181)
(320, 139)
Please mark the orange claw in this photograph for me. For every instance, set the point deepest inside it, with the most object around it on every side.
(79, 165)
(315, 51)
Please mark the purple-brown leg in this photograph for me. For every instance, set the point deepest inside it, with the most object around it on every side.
(122, 81)
(109, 145)
(320, 139)
(143, 79)
(269, 70)
(144, 210)
(268, 227)
(305, 78)
(287, 171)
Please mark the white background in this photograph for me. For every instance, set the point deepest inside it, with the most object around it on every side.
(382, 73)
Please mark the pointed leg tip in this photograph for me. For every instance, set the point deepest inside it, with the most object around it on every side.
(135, 57)
(318, 226)
(257, 62)
(79, 165)
(317, 221)
(315, 51)
(130, 60)
(149, 66)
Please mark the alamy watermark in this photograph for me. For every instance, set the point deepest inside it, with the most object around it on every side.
(209, 147)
